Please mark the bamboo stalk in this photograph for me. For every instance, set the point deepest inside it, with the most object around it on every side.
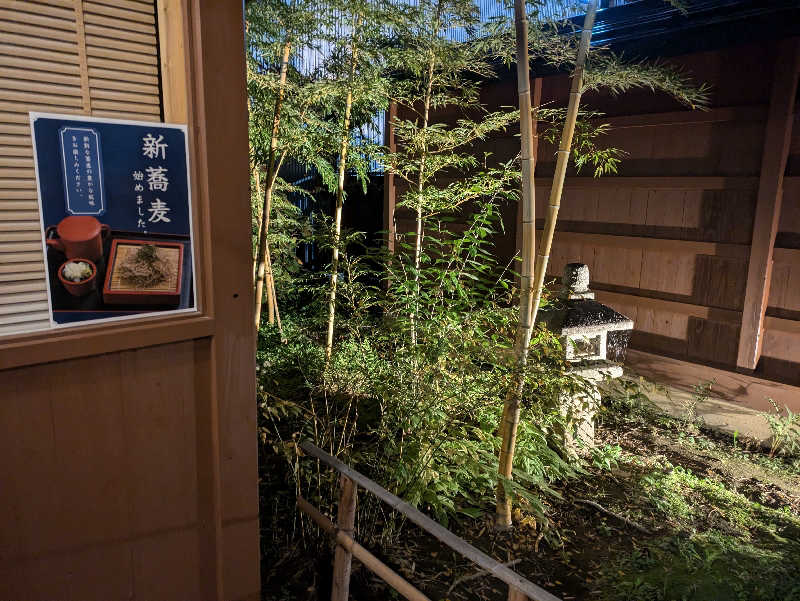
(421, 177)
(372, 563)
(263, 241)
(337, 232)
(530, 296)
(345, 523)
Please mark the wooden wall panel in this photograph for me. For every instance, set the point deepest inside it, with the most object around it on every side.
(784, 291)
(108, 493)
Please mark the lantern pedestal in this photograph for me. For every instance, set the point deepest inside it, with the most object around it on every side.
(579, 409)
(592, 335)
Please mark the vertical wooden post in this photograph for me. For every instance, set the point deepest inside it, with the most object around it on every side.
(777, 138)
(344, 523)
(514, 594)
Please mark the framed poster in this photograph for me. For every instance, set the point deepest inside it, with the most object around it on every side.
(116, 217)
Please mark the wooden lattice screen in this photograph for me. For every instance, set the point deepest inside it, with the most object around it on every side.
(97, 58)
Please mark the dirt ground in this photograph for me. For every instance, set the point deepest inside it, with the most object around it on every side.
(667, 510)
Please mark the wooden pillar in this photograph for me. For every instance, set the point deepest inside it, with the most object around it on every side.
(536, 100)
(345, 523)
(389, 195)
(777, 138)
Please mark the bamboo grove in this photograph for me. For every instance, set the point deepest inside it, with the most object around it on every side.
(422, 366)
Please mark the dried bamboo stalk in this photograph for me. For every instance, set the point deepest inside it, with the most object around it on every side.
(263, 241)
(530, 296)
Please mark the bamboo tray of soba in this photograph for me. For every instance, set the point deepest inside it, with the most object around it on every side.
(143, 272)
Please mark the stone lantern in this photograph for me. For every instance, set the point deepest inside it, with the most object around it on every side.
(594, 338)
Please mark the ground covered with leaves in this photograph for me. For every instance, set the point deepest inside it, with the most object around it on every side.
(665, 510)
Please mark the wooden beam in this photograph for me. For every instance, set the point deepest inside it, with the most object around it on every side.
(777, 139)
(743, 389)
(718, 114)
(668, 245)
(657, 304)
(172, 53)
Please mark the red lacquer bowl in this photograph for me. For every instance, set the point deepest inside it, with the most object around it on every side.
(83, 287)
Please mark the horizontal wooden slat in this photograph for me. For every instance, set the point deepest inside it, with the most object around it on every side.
(40, 87)
(67, 4)
(21, 236)
(31, 307)
(19, 247)
(714, 115)
(19, 318)
(20, 117)
(122, 65)
(16, 151)
(133, 5)
(39, 19)
(21, 276)
(122, 31)
(24, 107)
(739, 251)
(20, 207)
(69, 58)
(39, 286)
(16, 194)
(27, 75)
(791, 326)
(126, 115)
(24, 327)
(725, 315)
(64, 33)
(101, 77)
(20, 268)
(124, 50)
(23, 297)
(124, 96)
(26, 41)
(124, 85)
(786, 255)
(26, 65)
(90, 9)
(61, 9)
(35, 97)
(21, 257)
(18, 226)
(145, 109)
(15, 129)
(17, 183)
(15, 140)
(16, 162)
(657, 183)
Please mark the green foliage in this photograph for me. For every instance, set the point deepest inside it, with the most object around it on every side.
(707, 566)
(785, 430)
(421, 419)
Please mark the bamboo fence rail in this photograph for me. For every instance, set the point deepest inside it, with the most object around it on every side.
(519, 588)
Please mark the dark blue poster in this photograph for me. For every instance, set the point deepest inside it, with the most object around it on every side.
(115, 206)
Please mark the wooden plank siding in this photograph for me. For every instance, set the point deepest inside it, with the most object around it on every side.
(667, 239)
(128, 451)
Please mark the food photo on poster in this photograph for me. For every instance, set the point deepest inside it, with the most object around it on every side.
(115, 208)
